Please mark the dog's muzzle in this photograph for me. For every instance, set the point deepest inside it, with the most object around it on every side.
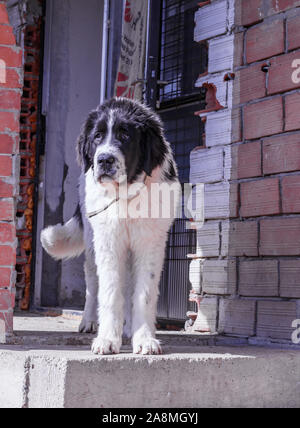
(106, 165)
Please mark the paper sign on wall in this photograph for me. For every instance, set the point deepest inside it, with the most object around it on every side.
(130, 73)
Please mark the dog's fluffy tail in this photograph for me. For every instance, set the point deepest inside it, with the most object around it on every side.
(64, 241)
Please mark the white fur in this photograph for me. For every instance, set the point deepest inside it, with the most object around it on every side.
(127, 248)
(124, 260)
(63, 242)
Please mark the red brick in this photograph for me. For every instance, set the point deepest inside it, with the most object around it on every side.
(5, 300)
(7, 255)
(292, 108)
(290, 278)
(9, 122)
(263, 118)
(251, 11)
(250, 84)
(6, 209)
(291, 194)
(249, 160)
(12, 298)
(274, 319)
(5, 277)
(5, 166)
(6, 189)
(281, 77)
(10, 100)
(241, 237)
(238, 59)
(280, 237)
(13, 79)
(293, 34)
(265, 40)
(237, 317)
(12, 56)
(258, 278)
(3, 14)
(260, 198)
(282, 5)
(6, 35)
(281, 154)
(7, 233)
(7, 144)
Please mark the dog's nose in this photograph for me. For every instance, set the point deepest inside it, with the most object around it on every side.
(106, 161)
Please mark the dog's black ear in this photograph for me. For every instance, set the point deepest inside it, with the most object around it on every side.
(154, 150)
(83, 144)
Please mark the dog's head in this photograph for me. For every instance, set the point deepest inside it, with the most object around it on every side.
(122, 138)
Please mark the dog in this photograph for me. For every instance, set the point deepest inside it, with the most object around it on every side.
(121, 146)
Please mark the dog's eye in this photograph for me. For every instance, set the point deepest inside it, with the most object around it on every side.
(123, 133)
(99, 135)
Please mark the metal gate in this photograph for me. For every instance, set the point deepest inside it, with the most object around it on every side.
(174, 64)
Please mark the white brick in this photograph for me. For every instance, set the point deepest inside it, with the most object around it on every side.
(208, 240)
(207, 315)
(231, 14)
(218, 128)
(221, 54)
(230, 163)
(220, 200)
(219, 276)
(211, 21)
(195, 274)
(218, 81)
(2, 332)
(194, 202)
(206, 165)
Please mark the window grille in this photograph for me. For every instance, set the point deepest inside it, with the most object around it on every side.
(177, 63)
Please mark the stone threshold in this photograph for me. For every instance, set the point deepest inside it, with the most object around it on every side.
(183, 377)
(47, 364)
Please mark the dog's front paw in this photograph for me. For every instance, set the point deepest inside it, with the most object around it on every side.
(106, 346)
(147, 346)
(88, 326)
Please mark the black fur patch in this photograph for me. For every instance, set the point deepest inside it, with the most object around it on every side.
(137, 131)
(171, 173)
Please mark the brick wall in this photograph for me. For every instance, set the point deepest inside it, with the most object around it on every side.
(10, 99)
(248, 253)
(28, 170)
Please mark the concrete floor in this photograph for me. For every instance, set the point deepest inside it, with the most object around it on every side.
(47, 364)
(52, 328)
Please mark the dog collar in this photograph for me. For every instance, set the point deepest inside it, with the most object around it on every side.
(94, 213)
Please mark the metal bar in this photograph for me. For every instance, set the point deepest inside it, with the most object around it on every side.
(104, 50)
(47, 57)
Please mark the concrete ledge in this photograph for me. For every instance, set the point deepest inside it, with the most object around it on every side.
(183, 377)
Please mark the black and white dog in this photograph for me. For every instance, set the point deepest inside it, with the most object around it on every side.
(121, 222)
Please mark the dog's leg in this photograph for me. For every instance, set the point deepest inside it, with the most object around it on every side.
(110, 261)
(89, 319)
(149, 257)
(128, 291)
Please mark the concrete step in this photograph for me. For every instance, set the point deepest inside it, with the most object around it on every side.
(208, 376)
(61, 329)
